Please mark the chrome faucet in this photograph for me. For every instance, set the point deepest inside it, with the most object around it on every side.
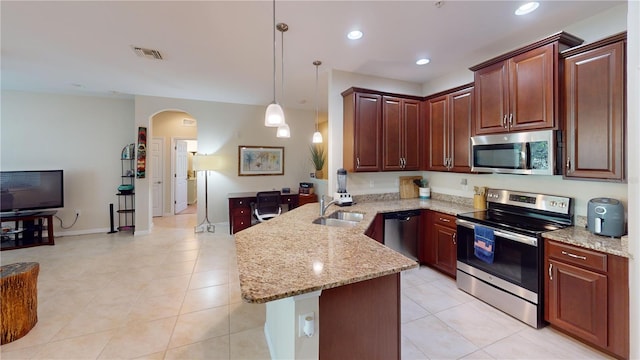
(323, 207)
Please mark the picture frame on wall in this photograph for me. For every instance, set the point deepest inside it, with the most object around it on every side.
(260, 160)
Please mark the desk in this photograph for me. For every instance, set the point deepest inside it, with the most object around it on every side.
(28, 229)
(240, 208)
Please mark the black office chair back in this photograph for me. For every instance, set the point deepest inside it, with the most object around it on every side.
(268, 202)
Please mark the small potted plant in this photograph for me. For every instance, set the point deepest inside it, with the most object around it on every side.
(317, 158)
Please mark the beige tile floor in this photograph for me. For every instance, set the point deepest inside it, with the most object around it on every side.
(174, 294)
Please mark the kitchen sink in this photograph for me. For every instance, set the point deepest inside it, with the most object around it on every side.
(346, 215)
(340, 218)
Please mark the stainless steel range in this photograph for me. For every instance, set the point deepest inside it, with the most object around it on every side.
(500, 250)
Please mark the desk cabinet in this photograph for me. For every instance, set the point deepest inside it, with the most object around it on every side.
(240, 209)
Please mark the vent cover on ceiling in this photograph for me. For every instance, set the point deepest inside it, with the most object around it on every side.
(188, 122)
(147, 53)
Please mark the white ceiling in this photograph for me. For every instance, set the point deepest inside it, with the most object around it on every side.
(223, 50)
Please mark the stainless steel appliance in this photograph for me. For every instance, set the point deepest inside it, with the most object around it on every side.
(401, 232)
(512, 281)
(529, 153)
(605, 216)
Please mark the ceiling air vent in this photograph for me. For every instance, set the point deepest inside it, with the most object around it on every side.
(147, 53)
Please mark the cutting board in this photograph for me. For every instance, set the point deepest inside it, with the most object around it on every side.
(408, 189)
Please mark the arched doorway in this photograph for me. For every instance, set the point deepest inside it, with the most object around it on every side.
(173, 134)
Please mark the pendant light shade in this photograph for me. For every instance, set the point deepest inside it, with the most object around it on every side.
(283, 131)
(274, 115)
(317, 136)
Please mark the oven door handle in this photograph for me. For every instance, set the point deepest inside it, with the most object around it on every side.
(507, 235)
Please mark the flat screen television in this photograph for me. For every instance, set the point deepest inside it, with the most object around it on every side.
(31, 191)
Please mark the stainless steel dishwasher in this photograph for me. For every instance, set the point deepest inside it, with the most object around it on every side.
(401, 232)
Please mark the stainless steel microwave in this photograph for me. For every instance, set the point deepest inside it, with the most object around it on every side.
(528, 153)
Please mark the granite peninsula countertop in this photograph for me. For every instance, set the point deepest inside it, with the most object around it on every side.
(288, 255)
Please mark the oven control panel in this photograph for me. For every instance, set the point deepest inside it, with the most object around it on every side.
(557, 204)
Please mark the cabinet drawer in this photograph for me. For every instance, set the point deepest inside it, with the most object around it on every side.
(241, 211)
(578, 256)
(444, 219)
(240, 202)
(240, 223)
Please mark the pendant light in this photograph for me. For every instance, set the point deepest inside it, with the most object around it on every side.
(274, 116)
(283, 129)
(317, 136)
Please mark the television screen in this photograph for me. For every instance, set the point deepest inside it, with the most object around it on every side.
(31, 190)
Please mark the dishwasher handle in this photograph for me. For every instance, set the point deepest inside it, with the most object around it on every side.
(401, 215)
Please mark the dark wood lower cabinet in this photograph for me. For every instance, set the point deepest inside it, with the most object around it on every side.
(361, 320)
(376, 229)
(587, 296)
(440, 246)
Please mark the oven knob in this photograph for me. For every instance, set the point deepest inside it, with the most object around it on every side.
(553, 203)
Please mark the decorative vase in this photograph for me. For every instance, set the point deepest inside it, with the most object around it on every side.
(319, 174)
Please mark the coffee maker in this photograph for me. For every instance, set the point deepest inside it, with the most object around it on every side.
(342, 197)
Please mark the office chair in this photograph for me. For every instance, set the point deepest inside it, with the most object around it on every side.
(267, 205)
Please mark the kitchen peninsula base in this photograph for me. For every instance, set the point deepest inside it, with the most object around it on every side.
(354, 321)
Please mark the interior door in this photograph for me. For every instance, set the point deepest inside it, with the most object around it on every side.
(156, 164)
(181, 176)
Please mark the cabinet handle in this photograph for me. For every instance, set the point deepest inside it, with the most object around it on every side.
(574, 255)
(511, 119)
(550, 272)
(357, 162)
(504, 121)
(568, 163)
(445, 220)
(454, 239)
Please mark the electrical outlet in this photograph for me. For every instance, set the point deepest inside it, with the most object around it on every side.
(78, 212)
(306, 325)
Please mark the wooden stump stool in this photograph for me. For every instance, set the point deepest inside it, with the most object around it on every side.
(19, 297)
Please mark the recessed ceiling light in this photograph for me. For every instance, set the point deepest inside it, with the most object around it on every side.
(423, 61)
(354, 35)
(527, 8)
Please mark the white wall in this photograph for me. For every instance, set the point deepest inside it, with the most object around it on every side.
(633, 162)
(222, 127)
(81, 135)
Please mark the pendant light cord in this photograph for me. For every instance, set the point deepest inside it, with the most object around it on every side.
(316, 63)
(282, 62)
(274, 51)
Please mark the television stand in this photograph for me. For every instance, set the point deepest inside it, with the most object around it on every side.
(27, 229)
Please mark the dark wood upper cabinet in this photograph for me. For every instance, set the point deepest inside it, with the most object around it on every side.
(593, 94)
(362, 131)
(381, 131)
(449, 122)
(400, 134)
(518, 91)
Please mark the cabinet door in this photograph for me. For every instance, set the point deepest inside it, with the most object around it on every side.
(593, 93)
(531, 88)
(492, 96)
(368, 118)
(577, 301)
(376, 229)
(411, 134)
(460, 119)
(445, 245)
(392, 125)
(438, 109)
